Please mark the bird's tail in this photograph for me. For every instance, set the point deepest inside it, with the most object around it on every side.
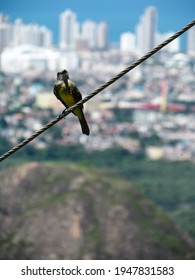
(84, 125)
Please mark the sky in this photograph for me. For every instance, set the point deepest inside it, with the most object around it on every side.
(121, 15)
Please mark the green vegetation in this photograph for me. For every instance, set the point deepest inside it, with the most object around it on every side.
(90, 213)
(10, 250)
(168, 184)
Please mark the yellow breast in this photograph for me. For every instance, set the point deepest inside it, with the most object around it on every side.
(68, 99)
(66, 96)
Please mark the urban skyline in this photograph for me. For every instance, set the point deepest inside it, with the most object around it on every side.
(89, 34)
(121, 15)
(145, 36)
(161, 85)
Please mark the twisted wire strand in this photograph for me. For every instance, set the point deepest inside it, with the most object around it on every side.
(95, 92)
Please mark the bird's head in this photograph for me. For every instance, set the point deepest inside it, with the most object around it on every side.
(63, 75)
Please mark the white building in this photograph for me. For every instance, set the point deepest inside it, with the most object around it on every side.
(5, 31)
(19, 33)
(172, 47)
(127, 42)
(150, 28)
(191, 41)
(102, 35)
(45, 37)
(36, 35)
(28, 57)
(140, 36)
(89, 32)
(145, 31)
(69, 29)
(96, 34)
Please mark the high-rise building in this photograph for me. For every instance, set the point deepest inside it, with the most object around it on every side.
(172, 47)
(140, 35)
(191, 41)
(18, 32)
(89, 32)
(5, 31)
(146, 29)
(95, 34)
(150, 28)
(127, 42)
(45, 37)
(102, 35)
(36, 35)
(69, 29)
(32, 34)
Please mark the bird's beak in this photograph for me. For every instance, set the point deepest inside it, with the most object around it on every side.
(59, 76)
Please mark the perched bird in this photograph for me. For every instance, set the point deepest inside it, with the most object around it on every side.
(68, 93)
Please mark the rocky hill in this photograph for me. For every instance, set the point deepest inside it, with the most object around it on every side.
(63, 211)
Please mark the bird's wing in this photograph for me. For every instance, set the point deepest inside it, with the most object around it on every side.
(56, 90)
(75, 93)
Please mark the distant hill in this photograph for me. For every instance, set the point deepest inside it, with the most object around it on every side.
(64, 211)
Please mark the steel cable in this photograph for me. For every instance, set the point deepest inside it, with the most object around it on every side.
(95, 92)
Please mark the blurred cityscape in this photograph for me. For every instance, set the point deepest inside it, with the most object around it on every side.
(154, 102)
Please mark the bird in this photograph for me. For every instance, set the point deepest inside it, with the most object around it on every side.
(69, 94)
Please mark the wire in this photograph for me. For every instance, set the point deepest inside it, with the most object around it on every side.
(95, 92)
